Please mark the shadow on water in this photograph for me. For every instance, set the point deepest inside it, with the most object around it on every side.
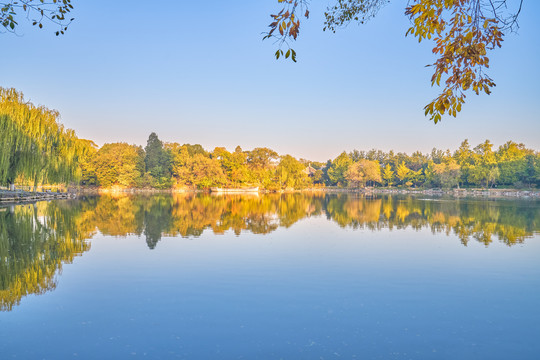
(35, 240)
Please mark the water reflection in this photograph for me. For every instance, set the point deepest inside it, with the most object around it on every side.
(35, 240)
(189, 215)
(510, 221)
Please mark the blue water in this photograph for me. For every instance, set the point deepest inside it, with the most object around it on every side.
(310, 291)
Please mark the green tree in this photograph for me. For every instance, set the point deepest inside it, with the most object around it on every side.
(338, 169)
(196, 149)
(261, 158)
(417, 161)
(403, 173)
(180, 162)
(429, 175)
(291, 173)
(532, 170)
(261, 165)
(484, 170)
(512, 162)
(388, 175)
(87, 165)
(417, 178)
(446, 175)
(158, 161)
(234, 165)
(464, 158)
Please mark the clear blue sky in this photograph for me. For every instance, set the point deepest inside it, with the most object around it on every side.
(198, 72)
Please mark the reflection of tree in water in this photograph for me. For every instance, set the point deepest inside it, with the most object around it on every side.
(157, 219)
(119, 215)
(189, 215)
(511, 221)
(35, 240)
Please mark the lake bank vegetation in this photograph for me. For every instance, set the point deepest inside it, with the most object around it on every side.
(36, 151)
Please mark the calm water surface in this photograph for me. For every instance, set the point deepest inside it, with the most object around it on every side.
(292, 276)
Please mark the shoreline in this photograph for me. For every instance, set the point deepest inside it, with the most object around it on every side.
(457, 193)
(8, 197)
(22, 197)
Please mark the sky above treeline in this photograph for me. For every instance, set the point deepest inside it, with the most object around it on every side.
(199, 72)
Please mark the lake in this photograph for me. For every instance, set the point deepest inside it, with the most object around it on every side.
(290, 276)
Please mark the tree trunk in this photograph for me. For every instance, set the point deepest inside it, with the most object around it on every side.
(35, 184)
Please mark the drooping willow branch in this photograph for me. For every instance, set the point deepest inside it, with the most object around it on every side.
(34, 146)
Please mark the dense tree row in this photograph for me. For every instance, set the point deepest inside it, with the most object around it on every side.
(511, 164)
(169, 165)
(173, 165)
(36, 149)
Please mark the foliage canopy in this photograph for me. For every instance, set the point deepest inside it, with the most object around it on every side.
(462, 32)
(34, 146)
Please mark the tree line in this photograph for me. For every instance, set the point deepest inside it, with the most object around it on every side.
(511, 164)
(166, 165)
(36, 149)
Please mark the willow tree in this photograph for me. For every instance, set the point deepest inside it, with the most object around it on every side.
(36, 148)
(462, 32)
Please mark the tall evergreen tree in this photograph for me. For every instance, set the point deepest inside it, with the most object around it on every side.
(157, 161)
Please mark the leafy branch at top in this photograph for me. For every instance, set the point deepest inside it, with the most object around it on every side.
(463, 31)
(36, 11)
(346, 11)
(286, 26)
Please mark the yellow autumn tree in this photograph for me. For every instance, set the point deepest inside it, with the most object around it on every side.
(362, 172)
